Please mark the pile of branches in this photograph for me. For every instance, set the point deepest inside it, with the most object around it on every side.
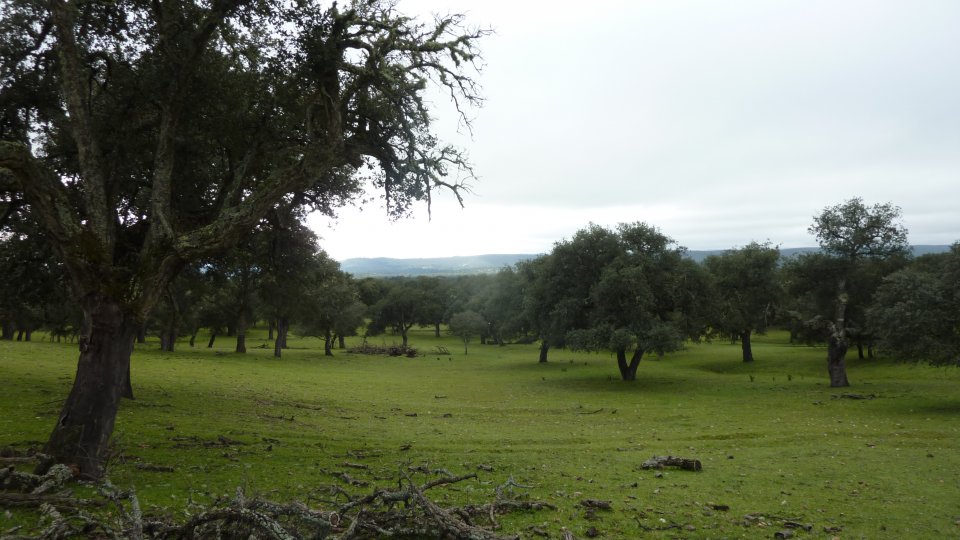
(385, 350)
(401, 512)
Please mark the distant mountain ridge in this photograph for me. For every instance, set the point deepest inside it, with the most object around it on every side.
(491, 263)
(437, 266)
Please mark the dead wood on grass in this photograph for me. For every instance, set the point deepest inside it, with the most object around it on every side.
(401, 511)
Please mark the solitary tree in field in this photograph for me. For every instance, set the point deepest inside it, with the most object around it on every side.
(467, 325)
(147, 135)
(851, 234)
(646, 300)
(748, 287)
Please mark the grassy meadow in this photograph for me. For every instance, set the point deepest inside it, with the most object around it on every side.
(775, 441)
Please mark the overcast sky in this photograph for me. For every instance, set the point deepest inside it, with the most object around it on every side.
(719, 122)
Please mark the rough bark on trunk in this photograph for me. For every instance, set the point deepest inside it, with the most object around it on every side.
(280, 342)
(745, 346)
(241, 334)
(168, 338)
(836, 366)
(837, 342)
(629, 371)
(544, 349)
(328, 344)
(83, 429)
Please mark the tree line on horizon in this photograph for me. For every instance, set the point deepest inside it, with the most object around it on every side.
(629, 290)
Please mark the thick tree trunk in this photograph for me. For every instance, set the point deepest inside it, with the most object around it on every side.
(168, 340)
(213, 337)
(86, 421)
(544, 349)
(279, 342)
(241, 334)
(836, 366)
(837, 342)
(328, 344)
(745, 346)
(629, 371)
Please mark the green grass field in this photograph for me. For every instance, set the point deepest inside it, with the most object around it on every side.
(774, 439)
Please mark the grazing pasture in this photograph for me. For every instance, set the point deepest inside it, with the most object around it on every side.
(777, 445)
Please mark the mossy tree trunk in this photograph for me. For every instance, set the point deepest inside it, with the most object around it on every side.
(328, 343)
(86, 419)
(837, 344)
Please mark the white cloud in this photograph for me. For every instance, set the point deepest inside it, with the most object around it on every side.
(719, 122)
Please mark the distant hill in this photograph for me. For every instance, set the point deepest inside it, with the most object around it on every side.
(488, 264)
(440, 266)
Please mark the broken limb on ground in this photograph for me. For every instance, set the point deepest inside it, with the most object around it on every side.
(404, 511)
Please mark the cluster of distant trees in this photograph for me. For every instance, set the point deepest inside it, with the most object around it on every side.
(629, 290)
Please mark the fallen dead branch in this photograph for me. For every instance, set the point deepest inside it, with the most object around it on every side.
(403, 510)
(392, 350)
(659, 462)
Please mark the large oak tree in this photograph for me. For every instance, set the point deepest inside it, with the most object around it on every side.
(146, 135)
(852, 234)
(747, 287)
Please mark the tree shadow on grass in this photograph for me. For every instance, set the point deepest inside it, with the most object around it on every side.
(947, 407)
(592, 382)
